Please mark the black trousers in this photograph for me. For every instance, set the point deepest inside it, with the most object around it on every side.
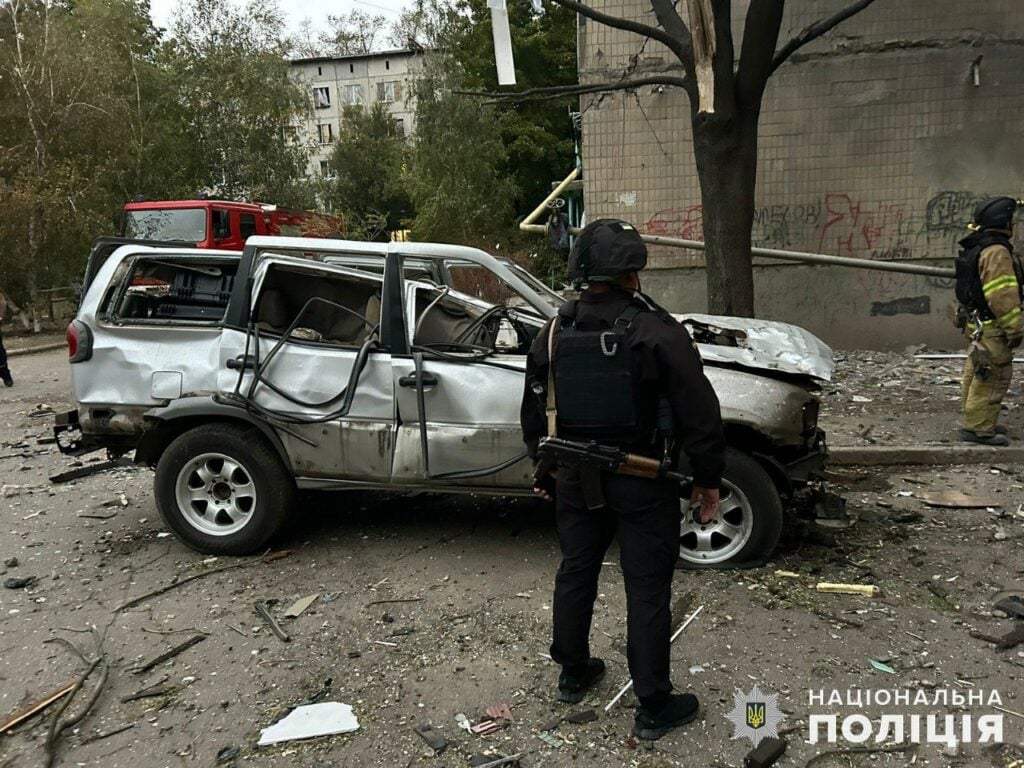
(3, 352)
(646, 517)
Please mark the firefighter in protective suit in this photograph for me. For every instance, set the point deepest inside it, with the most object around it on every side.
(616, 369)
(989, 280)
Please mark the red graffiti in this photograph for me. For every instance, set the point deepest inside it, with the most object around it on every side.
(855, 227)
(687, 223)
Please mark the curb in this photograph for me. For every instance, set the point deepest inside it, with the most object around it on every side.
(41, 348)
(882, 455)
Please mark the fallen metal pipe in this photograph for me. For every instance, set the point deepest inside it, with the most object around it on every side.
(529, 225)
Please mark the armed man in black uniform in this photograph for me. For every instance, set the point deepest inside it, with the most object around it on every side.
(615, 369)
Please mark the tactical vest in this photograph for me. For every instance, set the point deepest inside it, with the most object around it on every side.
(969, 290)
(599, 394)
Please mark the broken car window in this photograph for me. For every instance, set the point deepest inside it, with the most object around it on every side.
(318, 306)
(166, 290)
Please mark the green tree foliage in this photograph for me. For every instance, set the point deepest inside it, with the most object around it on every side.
(457, 181)
(538, 136)
(368, 169)
(232, 75)
(95, 109)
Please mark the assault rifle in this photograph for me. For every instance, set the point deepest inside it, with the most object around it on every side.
(593, 459)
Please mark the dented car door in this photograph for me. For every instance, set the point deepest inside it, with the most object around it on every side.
(309, 363)
(458, 408)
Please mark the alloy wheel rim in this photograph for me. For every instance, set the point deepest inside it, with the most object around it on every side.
(215, 494)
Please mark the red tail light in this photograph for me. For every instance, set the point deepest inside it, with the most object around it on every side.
(79, 337)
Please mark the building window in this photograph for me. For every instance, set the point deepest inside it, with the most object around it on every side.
(322, 97)
(291, 134)
(389, 91)
(325, 170)
(400, 126)
(325, 133)
(354, 95)
(351, 67)
(319, 70)
(387, 64)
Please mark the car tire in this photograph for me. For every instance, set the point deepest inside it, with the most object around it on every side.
(748, 527)
(222, 489)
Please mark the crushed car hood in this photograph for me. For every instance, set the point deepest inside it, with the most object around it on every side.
(761, 345)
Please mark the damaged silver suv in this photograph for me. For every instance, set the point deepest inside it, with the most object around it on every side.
(327, 364)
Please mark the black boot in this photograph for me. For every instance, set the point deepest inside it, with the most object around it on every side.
(5, 374)
(653, 723)
(574, 683)
(982, 438)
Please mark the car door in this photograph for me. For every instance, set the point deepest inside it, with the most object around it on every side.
(305, 365)
(458, 410)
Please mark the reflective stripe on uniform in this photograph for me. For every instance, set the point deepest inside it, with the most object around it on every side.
(1009, 318)
(1000, 283)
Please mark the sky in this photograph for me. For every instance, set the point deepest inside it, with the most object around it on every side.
(294, 11)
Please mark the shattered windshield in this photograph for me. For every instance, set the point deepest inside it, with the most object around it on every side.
(479, 281)
(186, 225)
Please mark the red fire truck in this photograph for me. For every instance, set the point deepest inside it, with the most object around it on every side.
(220, 223)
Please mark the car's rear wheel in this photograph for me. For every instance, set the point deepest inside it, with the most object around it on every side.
(748, 524)
(222, 489)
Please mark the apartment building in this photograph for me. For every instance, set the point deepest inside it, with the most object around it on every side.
(337, 82)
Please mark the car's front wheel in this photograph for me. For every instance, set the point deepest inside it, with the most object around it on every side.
(222, 489)
(748, 524)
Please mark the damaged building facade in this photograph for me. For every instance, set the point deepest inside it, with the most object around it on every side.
(875, 142)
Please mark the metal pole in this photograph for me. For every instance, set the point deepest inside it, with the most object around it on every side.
(528, 221)
(678, 632)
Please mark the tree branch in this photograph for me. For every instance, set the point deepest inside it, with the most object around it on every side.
(760, 36)
(617, 22)
(673, 24)
(563, 91)
(816, 30)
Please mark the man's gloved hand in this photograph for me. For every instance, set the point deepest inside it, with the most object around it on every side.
(708, 498)
(1014, 338)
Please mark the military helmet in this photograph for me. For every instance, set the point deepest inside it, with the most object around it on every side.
(994, 213)
(605, 250)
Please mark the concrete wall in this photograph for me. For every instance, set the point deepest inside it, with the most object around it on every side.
(874, 143)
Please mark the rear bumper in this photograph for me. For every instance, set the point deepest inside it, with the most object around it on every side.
(73, 441)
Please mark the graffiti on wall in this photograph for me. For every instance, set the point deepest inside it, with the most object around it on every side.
(844, 224)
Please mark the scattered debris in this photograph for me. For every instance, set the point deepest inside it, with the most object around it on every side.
(96, 515)
(486, 726)
(120, 501)
(1005, 642)
(300, 605)
(169, 654)
(500, 712)
(859, 751)
(579, 718)
(493, 761)
(267, 558)
(227, 754)
(324, 719)
(1012, 605)
(11, 562)
(551, 741)
(904, 516)
(882, 667)
(765, 753)
(91, 469)
(108, 734)
(40, 409)
(463, 722)
(24, 714)
(959, 500)
(261, 609)
(434, 740)
(787, 574)
(696, 669)
(19, 582)
(148, 693)
(868, 590)
(550, 725)
(396, 600)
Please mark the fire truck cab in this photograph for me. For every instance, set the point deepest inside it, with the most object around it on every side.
(220, 223)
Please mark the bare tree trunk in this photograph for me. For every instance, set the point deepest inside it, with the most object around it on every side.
(726, 154)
